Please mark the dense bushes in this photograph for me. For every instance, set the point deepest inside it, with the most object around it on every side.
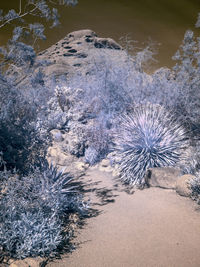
(24, 99)
(36, 201)
(35, 212)
(20, 141)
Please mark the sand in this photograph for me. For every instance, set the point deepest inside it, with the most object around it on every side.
(152, 227)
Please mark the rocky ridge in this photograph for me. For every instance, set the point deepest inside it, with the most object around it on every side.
(74, 52)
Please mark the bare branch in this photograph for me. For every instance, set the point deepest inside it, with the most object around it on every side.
(21, 16)
(20, 7)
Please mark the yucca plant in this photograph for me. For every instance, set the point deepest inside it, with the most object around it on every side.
(148, 137)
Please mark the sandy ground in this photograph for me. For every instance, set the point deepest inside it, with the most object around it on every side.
(152, 227)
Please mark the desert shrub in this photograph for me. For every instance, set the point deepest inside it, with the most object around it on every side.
(19, 139)
(186, 73)
(98, 141)
(113, 82)
(110, 83)
(149, 136)
(91, 155)
(35, 212)
(25, 108)
(190, 164)
(36, 201)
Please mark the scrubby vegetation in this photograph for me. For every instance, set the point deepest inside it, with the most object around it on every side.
(24, 105)
(112, 106)
(116, 85)
(36, 200)
(35, 212)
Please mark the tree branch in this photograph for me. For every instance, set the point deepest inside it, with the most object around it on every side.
(20, 7)
(20, 16)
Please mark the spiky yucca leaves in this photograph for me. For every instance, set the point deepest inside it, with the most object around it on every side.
(148, 137)
(35, 212)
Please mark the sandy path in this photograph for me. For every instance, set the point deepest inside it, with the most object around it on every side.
(152, 227)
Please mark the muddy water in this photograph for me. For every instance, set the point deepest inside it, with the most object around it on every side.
(162, 21)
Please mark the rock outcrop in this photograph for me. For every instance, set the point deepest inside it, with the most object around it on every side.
(75, 51)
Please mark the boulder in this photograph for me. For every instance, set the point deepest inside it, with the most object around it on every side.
(165, 177)
(182, 185)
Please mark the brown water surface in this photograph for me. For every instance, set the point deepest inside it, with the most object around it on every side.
(162, 21)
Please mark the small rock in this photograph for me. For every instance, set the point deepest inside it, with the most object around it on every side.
(106, 169)
(105, 163)
(57, 135)
(81, 166)
(28, 262)
(165, 177)
(182, 185)
(105, 166)
(116, 172)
